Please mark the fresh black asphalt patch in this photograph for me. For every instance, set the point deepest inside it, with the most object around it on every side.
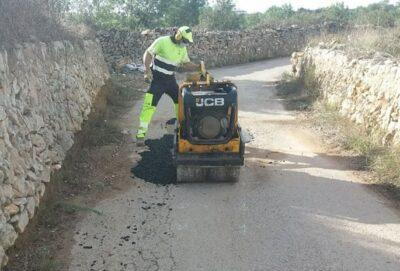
(156, 165)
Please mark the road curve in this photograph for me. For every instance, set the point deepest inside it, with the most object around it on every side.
(294, 208)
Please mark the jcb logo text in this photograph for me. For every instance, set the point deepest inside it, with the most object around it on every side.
(200, 102)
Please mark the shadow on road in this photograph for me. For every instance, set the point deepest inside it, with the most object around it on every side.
(156, 165)
(284, 162)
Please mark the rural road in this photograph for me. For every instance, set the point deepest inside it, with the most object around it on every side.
(294, 208)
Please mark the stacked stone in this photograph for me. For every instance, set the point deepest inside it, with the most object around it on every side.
(46, 92)
(217, 48)
(366, 89)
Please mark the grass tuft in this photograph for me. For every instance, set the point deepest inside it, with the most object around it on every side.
(71, 208)
(289, 85)
(387, 167)
(383, 161)
(306, 85)
(365, 42)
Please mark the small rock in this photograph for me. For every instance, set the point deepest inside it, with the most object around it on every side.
(7, 235)
(22, 221)
(19, 185)
(56, 166)
(20, 201)
(6, 193)
(39, 143)
(3, 258)
(2, 176)
(11, 209)
(30, 188)
(30, 206)
(3, 114)
(31, 176)
(145, 32)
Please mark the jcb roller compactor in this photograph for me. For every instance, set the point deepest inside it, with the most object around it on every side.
(208, 144)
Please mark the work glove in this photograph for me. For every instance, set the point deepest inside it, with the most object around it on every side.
(148, 77)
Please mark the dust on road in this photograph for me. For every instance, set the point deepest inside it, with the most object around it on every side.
(294, 208)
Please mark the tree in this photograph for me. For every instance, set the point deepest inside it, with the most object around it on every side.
(222, 16)
(278, 15)
(182, 12)
(378, 14)
(253, 20)
(284, 12)
(338, 13)
(134, 14)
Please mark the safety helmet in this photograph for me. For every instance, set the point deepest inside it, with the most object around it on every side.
(185, 33)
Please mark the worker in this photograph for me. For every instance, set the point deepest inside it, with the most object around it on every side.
(161, 61)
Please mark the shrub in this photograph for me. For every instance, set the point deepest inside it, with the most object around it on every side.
(223, 16)
(387, 167)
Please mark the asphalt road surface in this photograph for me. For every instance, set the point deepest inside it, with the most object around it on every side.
(294, 208)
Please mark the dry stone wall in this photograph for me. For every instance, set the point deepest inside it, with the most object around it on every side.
(46, 92)
(366, 89)
(217, 48)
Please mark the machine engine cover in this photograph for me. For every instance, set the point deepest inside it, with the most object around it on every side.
(210, 113)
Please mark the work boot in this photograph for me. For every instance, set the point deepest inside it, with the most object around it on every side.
(140, 142)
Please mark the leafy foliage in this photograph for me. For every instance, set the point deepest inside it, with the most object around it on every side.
(134, 14)
(379, 14)
(22, 19)
(222, 16)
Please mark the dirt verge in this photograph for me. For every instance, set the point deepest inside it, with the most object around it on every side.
(374, 161)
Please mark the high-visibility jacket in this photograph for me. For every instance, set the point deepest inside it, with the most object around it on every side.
(167, 55)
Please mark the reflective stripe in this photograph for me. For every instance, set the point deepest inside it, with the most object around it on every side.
(159, 69)
(176, 110)
(164, 65)
(167, 61)
(144, 124)
(146, 114)
(141, 135)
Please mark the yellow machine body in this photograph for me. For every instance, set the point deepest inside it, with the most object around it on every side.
(208, 159)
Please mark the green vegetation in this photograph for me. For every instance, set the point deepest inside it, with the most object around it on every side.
(362, 41)
(222, 15)
(289, 85)
(386, 167)
(383, 161)
(136, 14)
(20, 20)
(379, 14)
(305, 86)
(347, 135)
